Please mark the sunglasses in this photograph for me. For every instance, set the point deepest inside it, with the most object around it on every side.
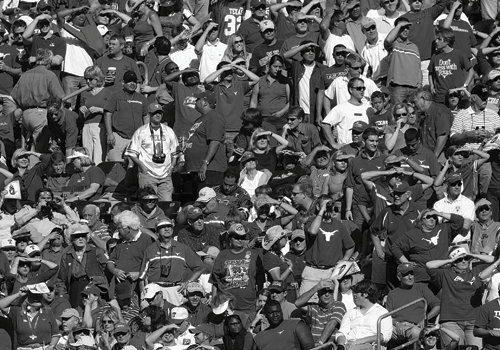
(431, 217)
(309, 49)
(302, 21)
(398, 194)
(388, 2)
(268, 31)
(121, 334)
(464, 259)
(359, 88)
(454, 96)
(401, 115)
(355, 68)
(260, 7)
(405, 28)
(458, 183)
(239, 238)
(24, 264)
(150, 200)
(408, 273)
(483, 208)
(298, 240)
(291, 119)
(261, 138)
(238, 42)
(370, 28)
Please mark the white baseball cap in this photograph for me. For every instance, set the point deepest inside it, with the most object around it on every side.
(7, 243)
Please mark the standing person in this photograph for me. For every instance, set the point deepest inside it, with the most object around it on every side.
(436, 126)
(261, 54)
(153, 148)
(333, 33)
(205, 153)
(486, 324)
(303, 34)
(228, 14)
(449, 68)
(283, 334)
(92, 105)
(115, 64)
(238, 270)
(250, 28)
(210, 49)
(404, 76)
(460, 284)
(125, 112)
(466, 39)
(10, 70)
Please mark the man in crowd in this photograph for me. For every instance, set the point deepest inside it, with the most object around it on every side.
(229, 193)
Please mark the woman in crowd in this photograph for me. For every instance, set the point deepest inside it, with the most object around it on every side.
(266, 156)
(236, 49)
(459, 301)
(271, 95)
(34, 326)
(29, 177)
(173, 13)
(334, 185)
(394, 134)
(236, 337)
(278, 267)
(250, 177)
(148, 210)
(106, 325)
(80, 263)
(23, 265)
(431, 338)
(259, 323)
(456, 100)
(92, 111)
(87, 182)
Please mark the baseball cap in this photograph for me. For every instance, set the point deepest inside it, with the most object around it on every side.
(77, 154)
(368, 22)
(298, 233)
(453, 177)
(195, 287)
(130, 76)
(266, 24)
(277, 285)
(163, 223)
(121, 327)
(103, 30)
(401, 187)
(481, 90)
(483, 202)
(206, 194)
(91, 289)
(178, 315)
(85, 340)
(194, 213)
(359, 126)
(43, 5)
(203, 328)
(237, 229)
(340, 155)
(273, 235)
(31, 249)
(256, 3)
(492, 74)
(7, 243)
(209, 251)
(458, 251)
(70, 313)
(150, 291)
(246, 156)
(217, 310)
(154, 107)
(123, 290)
(404, 268)
(207, 95)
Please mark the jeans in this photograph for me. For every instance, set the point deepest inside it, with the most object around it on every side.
(71, 83)
(163, 187)
(94, 139)
(464, 330)
(493, 195)
(399, 93)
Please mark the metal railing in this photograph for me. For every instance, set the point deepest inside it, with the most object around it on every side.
(379, 321)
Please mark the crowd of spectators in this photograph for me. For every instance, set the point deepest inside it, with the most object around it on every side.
(249, 174)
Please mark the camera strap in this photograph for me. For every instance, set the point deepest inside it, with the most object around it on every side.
(153, 138)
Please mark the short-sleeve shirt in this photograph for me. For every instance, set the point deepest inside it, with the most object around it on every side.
(230, 102)
(54, 44)
(437, 123)
(262, 54)
(80, 182)
(185, 112)
(320, 317)
(9, 59)
(487, 318)
(128, 111)
(122, 65)
(40, 330)
(330, 74)
(65, 129)
(272, 261)
(128, 255)
(209, 236)
(100, 99)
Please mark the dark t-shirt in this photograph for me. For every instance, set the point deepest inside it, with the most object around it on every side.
(267, 160)
(128, 111)
(487, 318)
(123, 65)
(330, 74)
(210, 127)
(9, 58)
(230, 103)
(262, 54)
(54, 44)
(185, 112)
(80, 182)
(65, 131)
(100, 99)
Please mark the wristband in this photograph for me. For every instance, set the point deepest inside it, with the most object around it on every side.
(347, 210)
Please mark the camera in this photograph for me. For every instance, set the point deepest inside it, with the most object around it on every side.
(159, 159)
(46, 211)
(165, 270)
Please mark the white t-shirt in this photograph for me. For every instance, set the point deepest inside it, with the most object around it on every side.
(304, 98)
(373, 54)
(331, 42)
(338, 90)
(343, 117)
(184, 58)
(76, 59)
(462, 206)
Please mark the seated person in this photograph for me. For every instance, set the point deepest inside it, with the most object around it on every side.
(147, 209)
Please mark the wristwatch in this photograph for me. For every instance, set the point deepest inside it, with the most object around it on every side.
(206, 161)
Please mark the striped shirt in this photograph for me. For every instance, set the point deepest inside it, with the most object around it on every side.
(467, 120)
(319, 317)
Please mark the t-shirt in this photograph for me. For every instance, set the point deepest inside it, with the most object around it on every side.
(80, 182)
(464, 37)
(185, 102)
(238, 274)
(100, 99)
(331, 42)
(9, 59)
(228, 15)
(65, 131)
(449, 71)
(54, 44)
(294, 41)
(271, 261)
(343, 116)
(128, 111)
(330, 74)
(209, 127)
(401, 296)
(122, 65)
(261, 56)
(487, 317)
(267, 160)
(250, 32)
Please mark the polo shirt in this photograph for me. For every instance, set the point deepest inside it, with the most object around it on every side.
(374, 53)
(209, 236)
(230, 102)
(357, 324)
(210, 58)
(184, 58)
(128, 111)
(179, 260)
(122, 65)
(128, 255)
(54, 44)
(338, 91)
(294, 41)
(462, 206)
(39, 330)
(424, 157)
(320, 317)
(437, 123)
(468, 119)
(404, 64)
(484, 237)
(304, 138)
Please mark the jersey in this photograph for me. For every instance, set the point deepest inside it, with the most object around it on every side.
(228, 15)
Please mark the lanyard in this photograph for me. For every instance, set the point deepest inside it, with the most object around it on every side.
(160, 144)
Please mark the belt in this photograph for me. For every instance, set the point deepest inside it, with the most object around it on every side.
(319, 267)
(31, 346)
(167, 284)
(467, 241)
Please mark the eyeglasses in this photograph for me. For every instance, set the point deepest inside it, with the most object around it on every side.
(238, 42)
(298, 240)
(464, 259)
(370, 28)
(401, 115)
(359, 88)
(483, 208)
(355, 68)
(458, 183)
(431, 217)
